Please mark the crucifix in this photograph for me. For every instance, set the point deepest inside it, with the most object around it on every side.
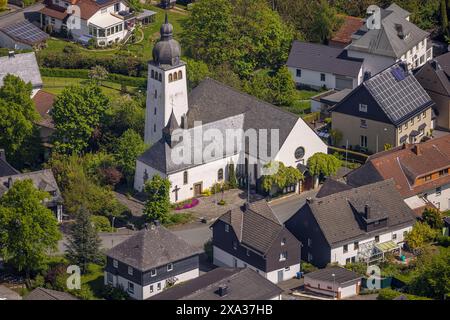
(176, 192)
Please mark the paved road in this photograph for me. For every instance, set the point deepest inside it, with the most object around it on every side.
(285, 208)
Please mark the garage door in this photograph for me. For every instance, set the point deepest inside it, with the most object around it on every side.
(348, 291)
(344, 83)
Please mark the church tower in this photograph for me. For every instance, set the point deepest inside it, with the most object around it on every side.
(166, 86)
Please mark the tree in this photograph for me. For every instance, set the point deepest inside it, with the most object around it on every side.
(420, 235)
(433, 279)
(83, 242)
(157, 206)
(232, 179)
(125, 113)
(433, 218)
(283, 177)
(197, 71)
(129, 146)
(444, 17)
(323, 164)
(17, 116)
(98, 74)
(3, 5)
(77, 113)
(336, 136)
(28, 229)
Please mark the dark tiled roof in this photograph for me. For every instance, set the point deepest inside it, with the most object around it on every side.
(435, 77)
(332, 186)
(242, 284)
(386, 41)
(25, 32)
(322, 58)
(151, 248)
(5, 168)
(342, 275)
(336, 215)
(256, 226)
(24, 66)
(47, 294)
(404, 165)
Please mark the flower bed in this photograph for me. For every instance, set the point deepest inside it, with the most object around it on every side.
(187, 204)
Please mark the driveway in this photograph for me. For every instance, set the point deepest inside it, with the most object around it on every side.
(285, 208)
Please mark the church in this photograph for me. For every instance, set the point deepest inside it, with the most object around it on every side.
(196, 139)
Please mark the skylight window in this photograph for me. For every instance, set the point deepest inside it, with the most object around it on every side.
(398, 74)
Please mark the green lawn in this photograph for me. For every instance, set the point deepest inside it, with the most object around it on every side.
(94, 279)
(142, 49)
(56, 85)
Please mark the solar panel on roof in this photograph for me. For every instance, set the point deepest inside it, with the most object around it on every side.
(25, 31)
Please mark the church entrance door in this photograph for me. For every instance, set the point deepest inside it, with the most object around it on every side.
(198, 189)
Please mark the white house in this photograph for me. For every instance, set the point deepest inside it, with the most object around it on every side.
(149, 261)
(107, 21)
(392, 38)
(212, 122)
(252, 236)
(352, 224)
(335, 282)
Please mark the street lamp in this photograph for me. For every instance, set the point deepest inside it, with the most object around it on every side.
(112, 225)
(384, 130)
(334, 285)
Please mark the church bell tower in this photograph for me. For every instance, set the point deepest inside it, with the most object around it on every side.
(166, 85)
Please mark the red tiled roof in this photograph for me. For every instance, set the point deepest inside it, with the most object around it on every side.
(44, 102)
(87, 8)
(344, 35)
(404, 165)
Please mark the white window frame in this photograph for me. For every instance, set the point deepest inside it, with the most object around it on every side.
(130, 270)
(363, 107)
(153, 273)
(283, 256)
(170, 267)
(130, 287)
(115, 263)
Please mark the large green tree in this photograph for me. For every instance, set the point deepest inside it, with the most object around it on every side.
(129, 146)
(83, 242)
(19, 135)
(421, 235)
(323, 164)
(157, 206)
(280, 176)
(77, 113)
(28, 229)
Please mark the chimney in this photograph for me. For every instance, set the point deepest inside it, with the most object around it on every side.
(2, 154)
(367, 75)
(11, 54)
(223, 290)
(404, 66)
(367, 211)
(400, 32)
(416, 149)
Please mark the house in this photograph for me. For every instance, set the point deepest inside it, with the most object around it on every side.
(42, 180)
(105, 21)
(355, 225)
(332, 186)
(48, 294)
(225, 119)
(252, 236)
(5, 168)
(434, 77)
(24, 66)
(319, 66)
(387, 110)
(343, 36)
(22, 35)
(224, 284)
(8, 294)
(150, 261)
(392, 40)
(43, 102)
(336, 282)
(420, 171)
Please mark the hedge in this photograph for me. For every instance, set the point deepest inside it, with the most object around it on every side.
(389, 294)
(84, 74)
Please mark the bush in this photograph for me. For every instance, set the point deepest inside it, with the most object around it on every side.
(390, 294)
(112, 293)
(101, 223)
(443, 241)
(306, 267)
(179, 218)
(208, 248)
(222, 203)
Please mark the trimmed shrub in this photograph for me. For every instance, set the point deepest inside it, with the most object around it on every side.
(101, 223)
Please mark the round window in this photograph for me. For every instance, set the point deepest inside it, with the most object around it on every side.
(299, 153)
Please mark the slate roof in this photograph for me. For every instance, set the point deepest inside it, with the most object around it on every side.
(242, 284)
(47, 294)
(255, 226)
(322, 58)
(23, 65)
(404, 165)
(42, 179)
(399, 98)
(331, 186)
(342, 275)
(25, 32)
(152, 247)
(221, 107)
(386, 41)
(5, 168)
(336, 216)
(8, 294)
(434, 76)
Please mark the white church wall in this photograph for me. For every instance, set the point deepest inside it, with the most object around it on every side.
(141, 169)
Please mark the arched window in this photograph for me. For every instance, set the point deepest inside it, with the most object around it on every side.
(175, 77)
(160, 77)
(180, 75)
(152, 74)
(220, 175)
(185, 177)
(170, 78)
